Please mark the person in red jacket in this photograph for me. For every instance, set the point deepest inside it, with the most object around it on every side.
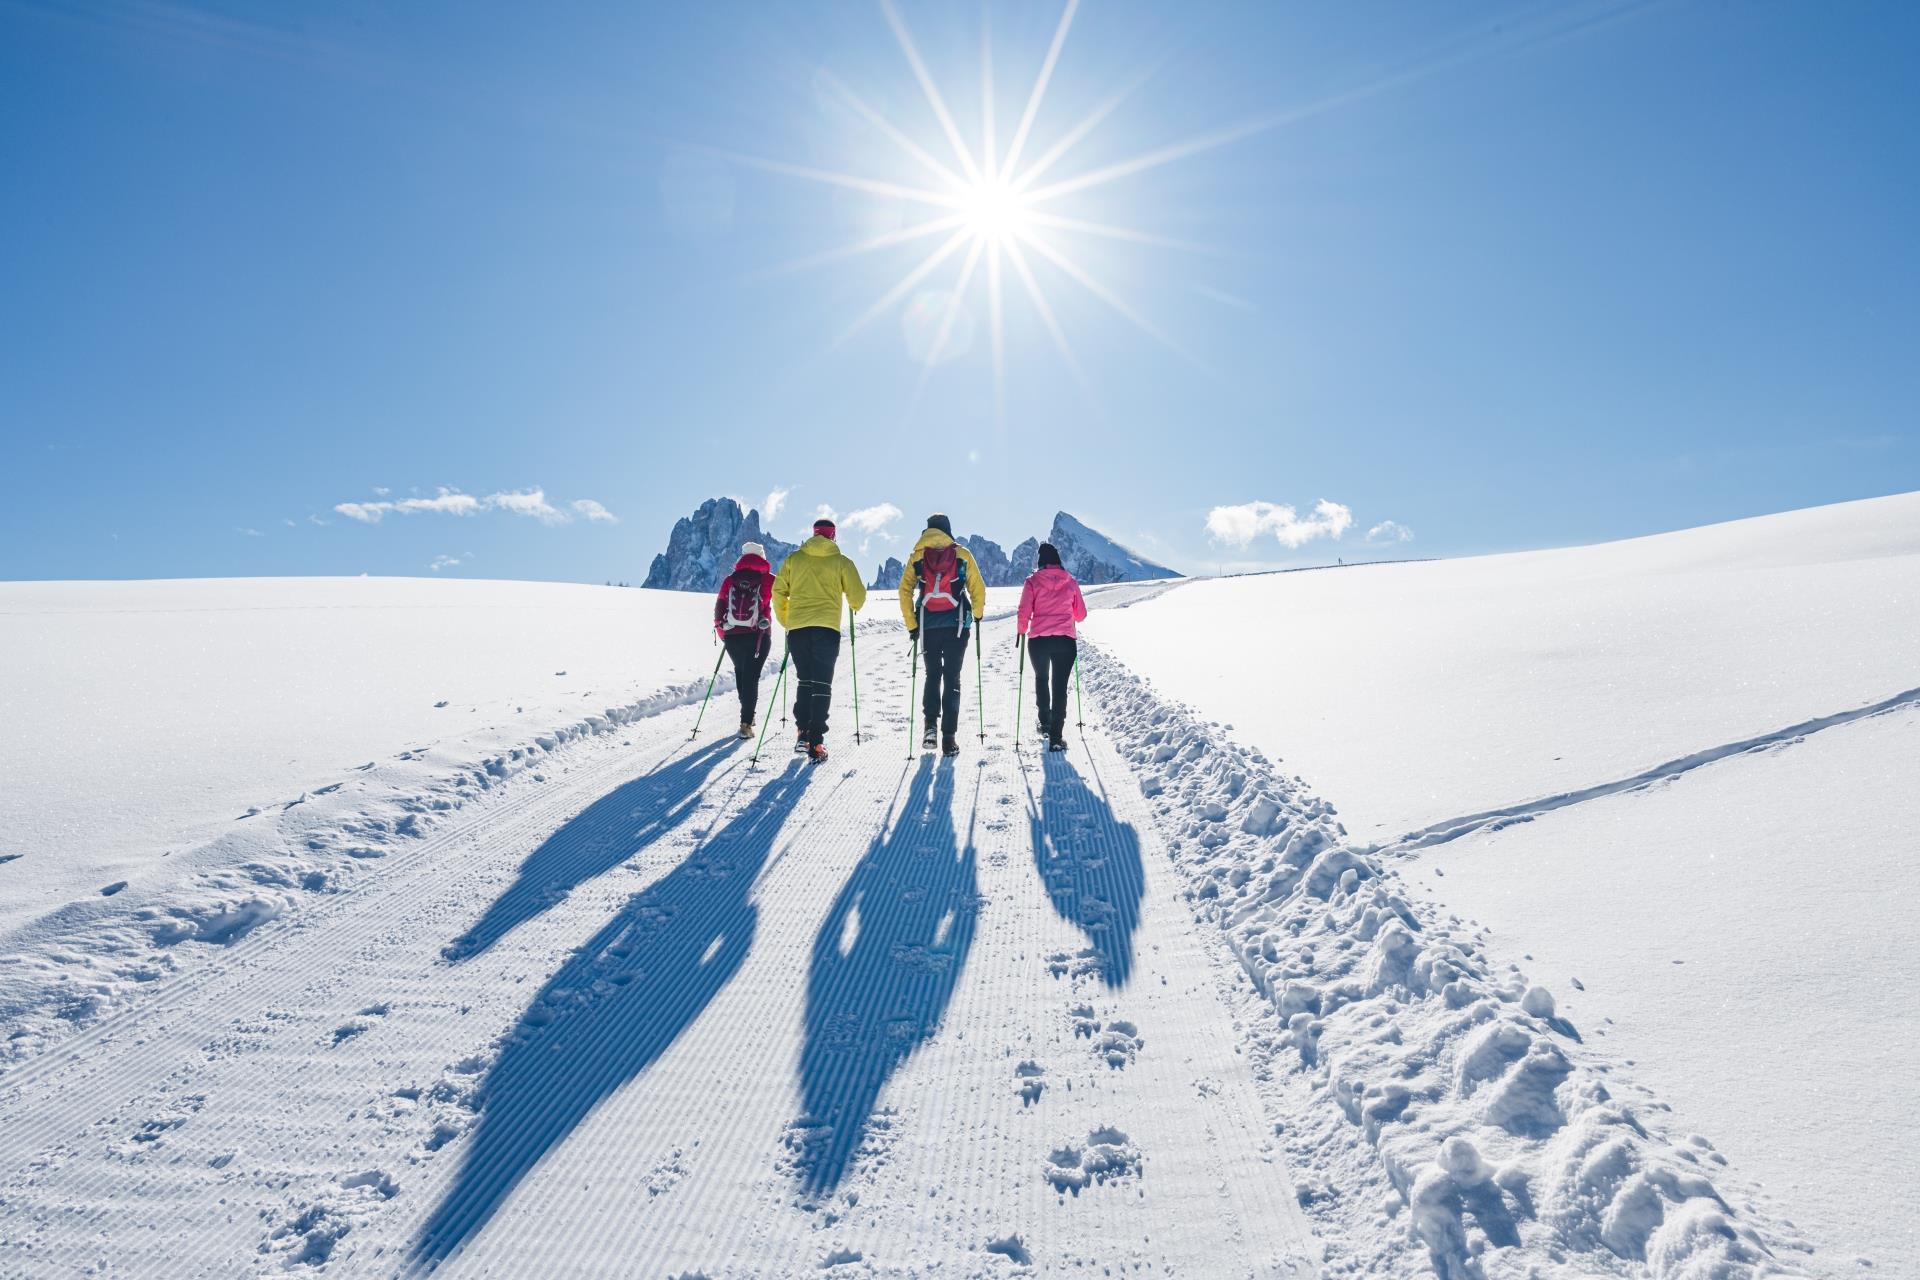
(1050, 603)
(743, 619)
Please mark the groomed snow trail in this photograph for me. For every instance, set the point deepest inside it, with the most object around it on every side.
(670, 1013)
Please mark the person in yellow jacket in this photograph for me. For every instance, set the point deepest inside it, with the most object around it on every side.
(807, 594)
(941, 596)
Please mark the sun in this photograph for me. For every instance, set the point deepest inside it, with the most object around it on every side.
(993, 212)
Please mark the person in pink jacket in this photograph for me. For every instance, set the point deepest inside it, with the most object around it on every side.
(1050, 604)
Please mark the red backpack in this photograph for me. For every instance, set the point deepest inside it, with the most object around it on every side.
(743, 602)
(940, 585)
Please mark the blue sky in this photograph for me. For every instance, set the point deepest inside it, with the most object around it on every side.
(1505, 275)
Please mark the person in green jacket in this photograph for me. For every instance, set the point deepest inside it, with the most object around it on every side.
(807, 596)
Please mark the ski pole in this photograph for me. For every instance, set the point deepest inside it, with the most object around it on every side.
(778, 683)
(853, 645)
(1019, 687)
(980, 678)
(1079, 712)
(703, 702)
(913, 670)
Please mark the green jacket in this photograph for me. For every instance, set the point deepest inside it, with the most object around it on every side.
(811, 584)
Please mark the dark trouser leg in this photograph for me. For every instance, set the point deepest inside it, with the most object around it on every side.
(1053, 658)
(940, 697)
(1063, 659)
(814, 651)
(946, 653)
(749, 654)
(1040, 649)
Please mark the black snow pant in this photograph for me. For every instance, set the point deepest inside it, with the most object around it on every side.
(1053, 658)
(749, 653)
(946, 652)
(814, 650)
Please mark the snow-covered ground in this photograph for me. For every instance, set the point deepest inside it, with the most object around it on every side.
(1741, 930)
(147, 716)
(553, 989)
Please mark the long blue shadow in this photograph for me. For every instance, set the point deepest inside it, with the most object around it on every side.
(884, 967)
(603, 835)
(1090, 862)
(615, 1007)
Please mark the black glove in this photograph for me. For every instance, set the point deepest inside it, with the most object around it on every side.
(913, 635)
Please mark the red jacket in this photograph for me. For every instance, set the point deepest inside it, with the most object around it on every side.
(757, 564)
(1050, 603)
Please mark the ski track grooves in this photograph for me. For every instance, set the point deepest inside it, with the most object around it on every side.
(1494, 819)
(876, 939)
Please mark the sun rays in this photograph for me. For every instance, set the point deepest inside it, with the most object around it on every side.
(984, 212)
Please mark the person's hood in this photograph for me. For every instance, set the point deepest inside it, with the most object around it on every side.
(820, 545)
(1051, 568)
(752, 562)
(932, 538)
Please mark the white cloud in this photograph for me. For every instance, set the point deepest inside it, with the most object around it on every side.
(1240, 525)
(528, 502)
(449, 562)
(872, 519)
(825, 512)
(381, 491)
(290, 524)
(451, 502)
(776, 503)
(250, 533)
(315, 519)
(444, 502)
(1389, 531)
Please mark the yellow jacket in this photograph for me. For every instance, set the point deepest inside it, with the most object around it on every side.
(910, 577)
(811, 583)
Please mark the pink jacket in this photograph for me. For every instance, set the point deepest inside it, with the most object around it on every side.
(1050, 603)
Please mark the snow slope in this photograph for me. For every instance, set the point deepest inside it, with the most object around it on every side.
(1412, 693)
(640, 1005)
(1690, 748)
(144, 717)
(612, 999)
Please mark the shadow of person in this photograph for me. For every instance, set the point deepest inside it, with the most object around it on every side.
(1090, 862)
(884, 967)
(598, 839)
(612, 1009)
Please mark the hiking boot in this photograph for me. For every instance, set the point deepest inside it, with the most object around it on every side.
(746, 728)
(1056, 743)
(949, 745)
(928, 739)
(800, 744)
(817, 752)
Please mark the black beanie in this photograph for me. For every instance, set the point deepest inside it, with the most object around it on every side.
(1049, 555)
(940, 522)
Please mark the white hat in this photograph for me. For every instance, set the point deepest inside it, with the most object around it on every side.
(753, 549)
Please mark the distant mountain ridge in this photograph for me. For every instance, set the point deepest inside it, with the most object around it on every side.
(704, 546)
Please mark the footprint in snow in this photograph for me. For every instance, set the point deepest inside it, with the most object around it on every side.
(1106, 1155)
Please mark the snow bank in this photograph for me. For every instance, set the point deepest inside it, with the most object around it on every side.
(145, 717)
(1505, 1151)
(1415, 693)
(205, 680)
(1628, 760)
